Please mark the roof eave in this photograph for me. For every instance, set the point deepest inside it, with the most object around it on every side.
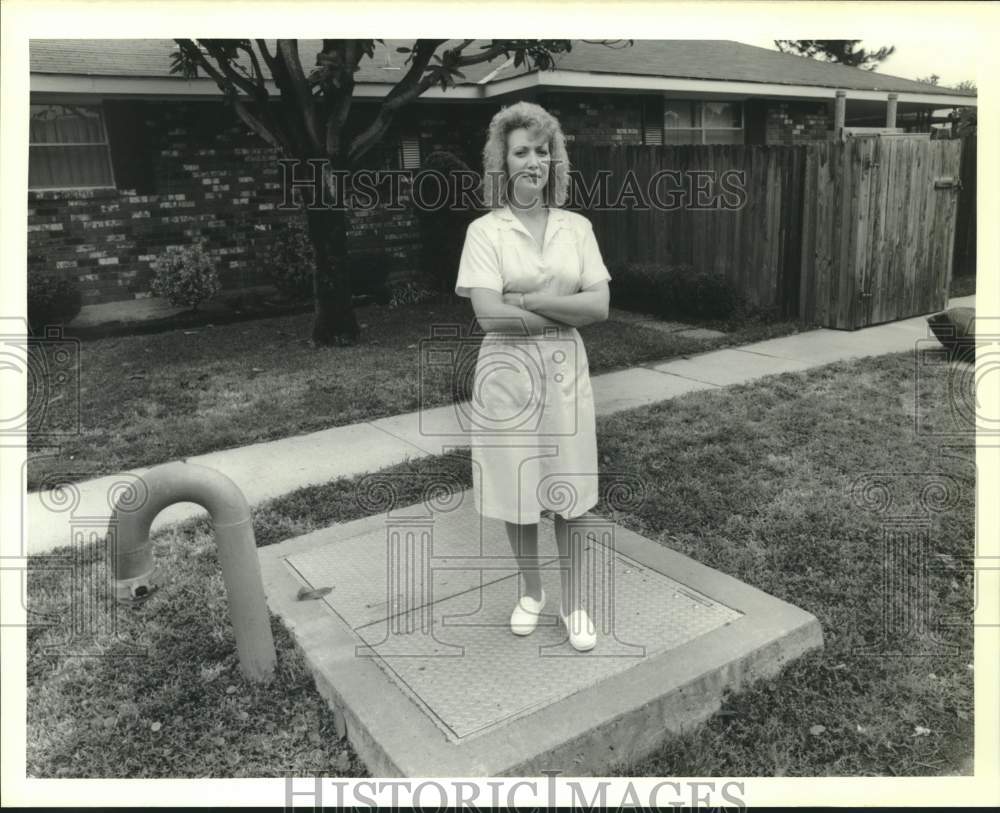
(605, 81)
(200, 88)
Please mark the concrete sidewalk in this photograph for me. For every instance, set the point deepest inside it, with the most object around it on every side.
(268, 470)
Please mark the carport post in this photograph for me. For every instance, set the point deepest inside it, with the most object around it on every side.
(890, 111)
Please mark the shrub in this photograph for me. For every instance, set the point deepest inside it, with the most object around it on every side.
(411, 292)
(290, 262)
(52, 301)
(186, 275)
(674, 291)
(702, 294)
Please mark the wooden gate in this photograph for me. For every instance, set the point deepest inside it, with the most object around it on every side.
(878, 229)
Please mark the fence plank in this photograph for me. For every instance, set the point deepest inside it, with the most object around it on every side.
(965, 220)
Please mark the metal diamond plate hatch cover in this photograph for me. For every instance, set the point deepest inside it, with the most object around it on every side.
(439, 627)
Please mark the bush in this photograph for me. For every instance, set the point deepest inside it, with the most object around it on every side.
(702, 294)
(186, 275)
(52, 301)
(411, 292)
(677, 291)
(290, 262)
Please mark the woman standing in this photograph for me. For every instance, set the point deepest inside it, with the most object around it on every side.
(534, 274)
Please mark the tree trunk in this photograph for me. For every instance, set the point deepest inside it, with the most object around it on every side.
(335, 322)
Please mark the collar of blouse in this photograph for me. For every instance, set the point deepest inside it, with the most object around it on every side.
(557, 220)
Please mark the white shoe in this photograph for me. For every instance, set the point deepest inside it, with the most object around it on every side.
(524, 619)
(582, 634)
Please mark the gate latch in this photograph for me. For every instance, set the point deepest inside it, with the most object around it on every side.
(947, 183)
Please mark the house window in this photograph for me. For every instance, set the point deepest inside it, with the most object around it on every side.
(409, 153)
(690, 121)
(68, 148)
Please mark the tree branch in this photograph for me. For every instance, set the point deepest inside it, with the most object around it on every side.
(261, 81)
(340, 98)
(230, 93)
(288, 51)
(262, 44)
(407, 89)
(475, 59)
(252, 89)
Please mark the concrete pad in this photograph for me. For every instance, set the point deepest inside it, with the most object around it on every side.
(729, 366)
(129, 310)
(646, 320)
(700, 333)
(638, 386)
(412, 647)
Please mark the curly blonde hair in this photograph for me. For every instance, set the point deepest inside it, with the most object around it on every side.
(536, 118)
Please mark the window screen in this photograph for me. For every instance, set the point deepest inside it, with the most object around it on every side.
(68, 148)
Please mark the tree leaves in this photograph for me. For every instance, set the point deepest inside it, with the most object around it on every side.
(845, 52)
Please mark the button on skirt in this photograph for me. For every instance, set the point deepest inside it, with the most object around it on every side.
(532, 427)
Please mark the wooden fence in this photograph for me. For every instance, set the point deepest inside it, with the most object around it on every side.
(755, 246)
(841, 234)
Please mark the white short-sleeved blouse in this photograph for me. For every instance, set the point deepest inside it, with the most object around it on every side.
(500, 254)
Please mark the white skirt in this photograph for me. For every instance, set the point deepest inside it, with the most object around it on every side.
(533, 437)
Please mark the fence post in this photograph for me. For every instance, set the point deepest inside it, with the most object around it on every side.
(839, 115)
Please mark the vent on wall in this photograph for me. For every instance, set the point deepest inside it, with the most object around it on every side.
(409, 153)
(652, 120)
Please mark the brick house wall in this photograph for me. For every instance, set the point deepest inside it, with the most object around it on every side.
(191, 168)
(797, 122)
(596, 118)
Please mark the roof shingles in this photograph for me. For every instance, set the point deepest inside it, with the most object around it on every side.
(719, 60)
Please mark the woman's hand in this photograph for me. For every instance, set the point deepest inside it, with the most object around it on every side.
(514, 297)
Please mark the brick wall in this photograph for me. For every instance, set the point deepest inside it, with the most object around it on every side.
(209, 176)
(596, 118)
(797, 122)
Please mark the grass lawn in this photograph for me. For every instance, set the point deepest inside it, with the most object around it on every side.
(753, 480)
(150, 399)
